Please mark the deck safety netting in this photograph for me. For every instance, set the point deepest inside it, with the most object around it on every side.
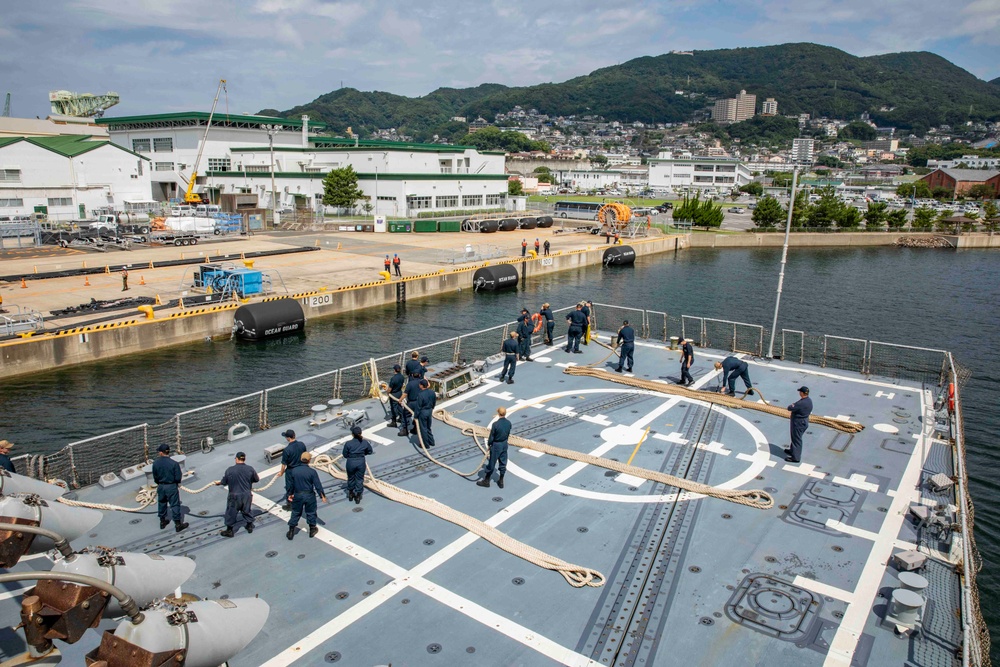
(481, 344)
(692, 328)
(607, 317)
(920, 363)
(355, 383)
(214, 421)
(291, 401)
(847, 354)
(437, 353)
(83, 462)
(748, 338)
(656, 326)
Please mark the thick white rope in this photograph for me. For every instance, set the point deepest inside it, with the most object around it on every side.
(749, 497)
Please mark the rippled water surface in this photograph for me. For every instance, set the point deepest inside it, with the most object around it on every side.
(931, 298)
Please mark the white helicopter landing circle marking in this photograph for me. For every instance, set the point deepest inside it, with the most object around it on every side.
(628, 435)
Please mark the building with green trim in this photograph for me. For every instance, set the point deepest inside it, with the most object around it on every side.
(241, 153)
(69, 177)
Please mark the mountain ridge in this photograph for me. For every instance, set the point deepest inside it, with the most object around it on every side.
(912, 91)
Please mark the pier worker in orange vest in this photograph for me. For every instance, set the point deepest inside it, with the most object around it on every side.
(537, 246)
(388, 264)
(395, 263)
(524, 247)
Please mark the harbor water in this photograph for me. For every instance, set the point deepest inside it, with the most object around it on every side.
(930, 298)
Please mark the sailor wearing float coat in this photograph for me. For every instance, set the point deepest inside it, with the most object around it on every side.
(800, 409)
(499, 433)
(355, 451)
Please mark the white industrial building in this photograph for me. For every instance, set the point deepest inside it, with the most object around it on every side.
(171, 142)
(68, 177)
(400, 179)
(703, 173)
(626, 178)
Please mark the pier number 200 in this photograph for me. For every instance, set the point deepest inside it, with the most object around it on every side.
(320, 300)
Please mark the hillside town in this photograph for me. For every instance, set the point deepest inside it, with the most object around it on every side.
(67, 169)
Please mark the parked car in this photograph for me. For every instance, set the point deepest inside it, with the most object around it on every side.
(664, 207)
(737, 209)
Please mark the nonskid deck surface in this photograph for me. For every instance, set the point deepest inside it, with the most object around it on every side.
(690, 580)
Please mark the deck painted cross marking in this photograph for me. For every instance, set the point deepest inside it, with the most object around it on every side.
(885, 394)
(715, 448)
(567, 410)
(757, 456)
(857, 481)
(600, 420)
(807, 469)
(675, 437)
(502, 395)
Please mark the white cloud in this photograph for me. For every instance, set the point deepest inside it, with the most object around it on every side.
(168, 54)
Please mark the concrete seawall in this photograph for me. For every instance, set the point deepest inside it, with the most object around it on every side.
(105, 341)
(799, 239)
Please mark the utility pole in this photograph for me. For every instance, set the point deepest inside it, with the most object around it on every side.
(271, 131)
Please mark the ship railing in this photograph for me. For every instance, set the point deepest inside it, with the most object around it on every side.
(81, 463)
(975, 633)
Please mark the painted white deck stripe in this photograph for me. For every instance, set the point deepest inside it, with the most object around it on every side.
(530, 452)
(403, 578)
(715, 448)
(853, 624)
(502, 395)
(566, 410)
(851, 530)
(335, 625)
(6, 595)
(807, 469)
(757, 456)
(504, 625)
(857, 481)
(630, 480)
(823, 589)
(377, 439)
(600, 420)
(675, 437)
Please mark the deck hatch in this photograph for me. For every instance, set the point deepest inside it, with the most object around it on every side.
(775, 607)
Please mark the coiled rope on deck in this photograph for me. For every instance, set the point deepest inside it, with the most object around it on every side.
(712, 397)
(750, 497)
(576, 575)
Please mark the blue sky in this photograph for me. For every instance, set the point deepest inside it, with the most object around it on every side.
(168, 55)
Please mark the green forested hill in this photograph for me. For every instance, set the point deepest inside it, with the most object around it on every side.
(911, 91)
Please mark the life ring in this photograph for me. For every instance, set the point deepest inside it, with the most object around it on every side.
(538, 320)
(951, 397)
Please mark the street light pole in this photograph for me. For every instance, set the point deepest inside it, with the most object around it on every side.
(271, 131)
(784, 258)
